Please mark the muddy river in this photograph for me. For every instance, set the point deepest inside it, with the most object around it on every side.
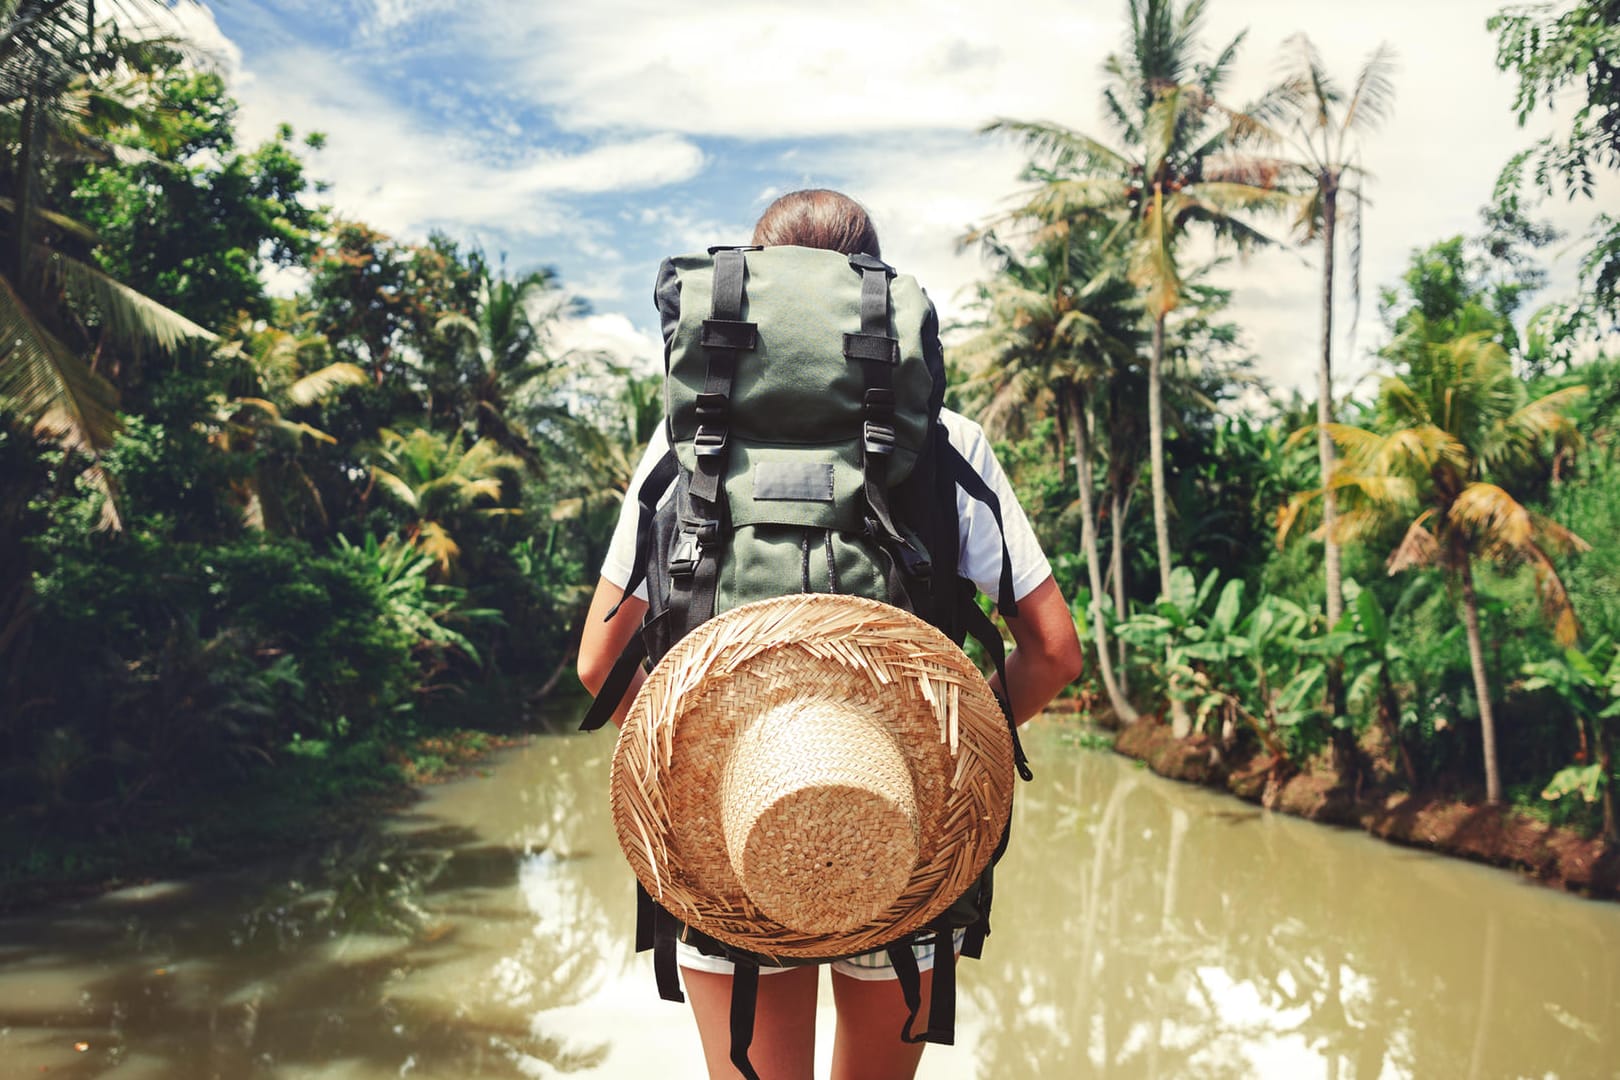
(1142, 929)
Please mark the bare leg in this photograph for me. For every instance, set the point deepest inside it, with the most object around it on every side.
(871, 1014)
(784, 1046)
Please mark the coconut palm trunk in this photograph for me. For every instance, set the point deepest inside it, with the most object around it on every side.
(1161, 512)
(1611, 824)
(1324, 407)
(1116, 569)
(1088, 541)
(1343, 740)
(1482, 689)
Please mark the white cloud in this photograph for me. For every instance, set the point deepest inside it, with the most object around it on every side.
(762, 69)
(612, 335)
(389, 14)
(392, 168)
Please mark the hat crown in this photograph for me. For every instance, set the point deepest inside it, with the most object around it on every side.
(820, 815)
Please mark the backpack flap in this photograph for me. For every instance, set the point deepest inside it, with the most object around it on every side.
(794, 386)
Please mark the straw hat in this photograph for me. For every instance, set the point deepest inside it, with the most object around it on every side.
(813, 775)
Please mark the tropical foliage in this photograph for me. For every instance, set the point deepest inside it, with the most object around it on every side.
(240, 532)
(1464, 494)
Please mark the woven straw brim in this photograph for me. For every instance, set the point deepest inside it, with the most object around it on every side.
(669, 766)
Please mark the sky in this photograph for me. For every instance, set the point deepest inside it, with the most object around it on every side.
(597, 138)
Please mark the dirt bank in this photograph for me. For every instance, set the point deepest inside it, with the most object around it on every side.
(1500, 836)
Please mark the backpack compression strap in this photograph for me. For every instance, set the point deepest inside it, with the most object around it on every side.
(694, 564)
(878, 354)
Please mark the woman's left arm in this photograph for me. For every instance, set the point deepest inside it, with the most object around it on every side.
(1046, 656)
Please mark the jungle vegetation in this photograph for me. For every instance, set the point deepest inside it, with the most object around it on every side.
(252, 542)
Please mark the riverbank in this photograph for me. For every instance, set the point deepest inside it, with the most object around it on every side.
(304, 798)
(1497, 835)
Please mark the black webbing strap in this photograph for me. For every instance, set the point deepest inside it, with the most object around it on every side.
(941, 1026)
(724, 335)
(971, 482)
(973, 937)
(647, 495)
(878, 354)
(665, 927)
(744, 1001)
(904, 962)
(617, 683)
(646, 918)
(942, 995)
(694, 571)
(978, 624)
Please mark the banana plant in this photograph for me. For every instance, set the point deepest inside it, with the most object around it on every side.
(1229, 667)
(1374, 663)
(1588, 683)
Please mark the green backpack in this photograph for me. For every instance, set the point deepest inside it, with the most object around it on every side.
(802, 397)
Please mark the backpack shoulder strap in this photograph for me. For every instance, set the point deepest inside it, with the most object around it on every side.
(744, 1003)
(967, 477)
(659, 477)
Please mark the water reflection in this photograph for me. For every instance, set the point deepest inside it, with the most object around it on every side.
(1156, 932)
(431, 945)
(1143, 929)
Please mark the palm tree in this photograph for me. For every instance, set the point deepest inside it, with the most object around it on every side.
(56, 305)
(441, 486)
(1058, 324)
(1319, 119)
(500, 354)
(1180, 168)
(276, 373)
(1454, 430)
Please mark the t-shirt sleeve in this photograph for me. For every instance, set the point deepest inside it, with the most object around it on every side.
(980, 560)
(621, 551)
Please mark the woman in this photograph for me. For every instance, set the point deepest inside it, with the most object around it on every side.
(1046, 657)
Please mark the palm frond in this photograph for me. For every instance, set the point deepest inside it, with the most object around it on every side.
(321, 385)
(133, 320)
(438, 544)
(1058, 145)
(1373, 98)
(48, 384)
(395, 486)
(1418, 548)
(77, 229)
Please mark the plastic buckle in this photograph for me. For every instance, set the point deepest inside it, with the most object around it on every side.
(915, 562)
(878, 403)
(713, 406)
(711, 441)
(862, 261)
(878, 438)
(684, 559)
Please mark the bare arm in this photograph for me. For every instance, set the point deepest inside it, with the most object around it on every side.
(602, 641)
(1046, 656)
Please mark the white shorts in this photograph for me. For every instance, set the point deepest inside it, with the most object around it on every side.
(872, 966)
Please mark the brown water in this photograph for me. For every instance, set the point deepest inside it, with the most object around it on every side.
(1143, 928)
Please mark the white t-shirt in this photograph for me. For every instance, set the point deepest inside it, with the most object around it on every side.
(980, 560)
